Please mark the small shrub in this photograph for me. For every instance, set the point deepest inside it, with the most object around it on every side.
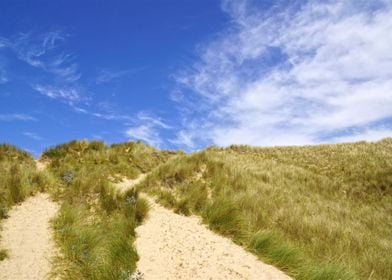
(107, 197)
(3, 211)
(135, 207)
(68, 176)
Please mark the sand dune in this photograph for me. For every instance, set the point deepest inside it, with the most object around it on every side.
(173, 246)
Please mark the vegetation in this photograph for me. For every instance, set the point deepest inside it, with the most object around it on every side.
(317, 212)
(125, 159)
(95, 227)
(19, 177)
(3, 254)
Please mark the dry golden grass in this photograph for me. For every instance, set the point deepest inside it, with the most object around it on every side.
(318, 212)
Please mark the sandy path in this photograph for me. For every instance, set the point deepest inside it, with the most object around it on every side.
(41, 165)
(27, 236)
(172, 246)
(127, 183)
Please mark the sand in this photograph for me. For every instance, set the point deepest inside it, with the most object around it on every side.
(41, 165)
(172, 246)
(27, 236)
(127, 183)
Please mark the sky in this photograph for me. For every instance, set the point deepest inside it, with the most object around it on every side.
(186, 74)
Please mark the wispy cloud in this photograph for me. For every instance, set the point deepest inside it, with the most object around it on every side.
(147, 128)
(3, 77)
(16, 117)
(106, 76)
(42, 51)
(33, 136)
(3, 72)
(291, 75)
(140, 126)
(106, 115)
(66, 94)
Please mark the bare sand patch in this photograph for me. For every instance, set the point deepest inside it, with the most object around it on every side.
(41, 165)
(172, 246)
(27, 236)
(127, 183)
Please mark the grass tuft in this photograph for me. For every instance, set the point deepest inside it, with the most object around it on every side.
(3, 254)
(224, 217)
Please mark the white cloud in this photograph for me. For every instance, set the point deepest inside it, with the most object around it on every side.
(366, 134)
(183, 139)
(106, 76)
(291, 75)
(145, 133)
(16, 117)
(41, 51)
(33, 136)
(147, 128)
(69, 95)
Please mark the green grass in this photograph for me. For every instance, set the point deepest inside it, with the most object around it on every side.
(95, 228)
(317, 212)
(124, 159)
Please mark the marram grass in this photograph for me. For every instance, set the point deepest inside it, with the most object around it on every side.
(316, 212)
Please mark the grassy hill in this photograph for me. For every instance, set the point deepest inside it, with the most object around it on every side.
(318, 212)
(124, 159)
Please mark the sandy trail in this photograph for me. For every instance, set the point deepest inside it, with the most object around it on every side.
(172, 246)
(127, 183)
(41, 165)
(27, 236)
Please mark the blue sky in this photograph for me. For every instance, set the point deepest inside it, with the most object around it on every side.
(190, 73)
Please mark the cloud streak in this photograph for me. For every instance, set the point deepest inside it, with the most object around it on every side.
(65, 94)
(33, 136)
(106, 76)
(42, 51)
(310, 73)
(147, 128)
(16, 117)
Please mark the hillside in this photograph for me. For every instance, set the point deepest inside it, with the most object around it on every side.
(318, 212)
(315, 212)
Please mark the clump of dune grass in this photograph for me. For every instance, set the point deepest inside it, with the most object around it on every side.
(3, 254)
(92, 247)
(95, 227)
(317, 212)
